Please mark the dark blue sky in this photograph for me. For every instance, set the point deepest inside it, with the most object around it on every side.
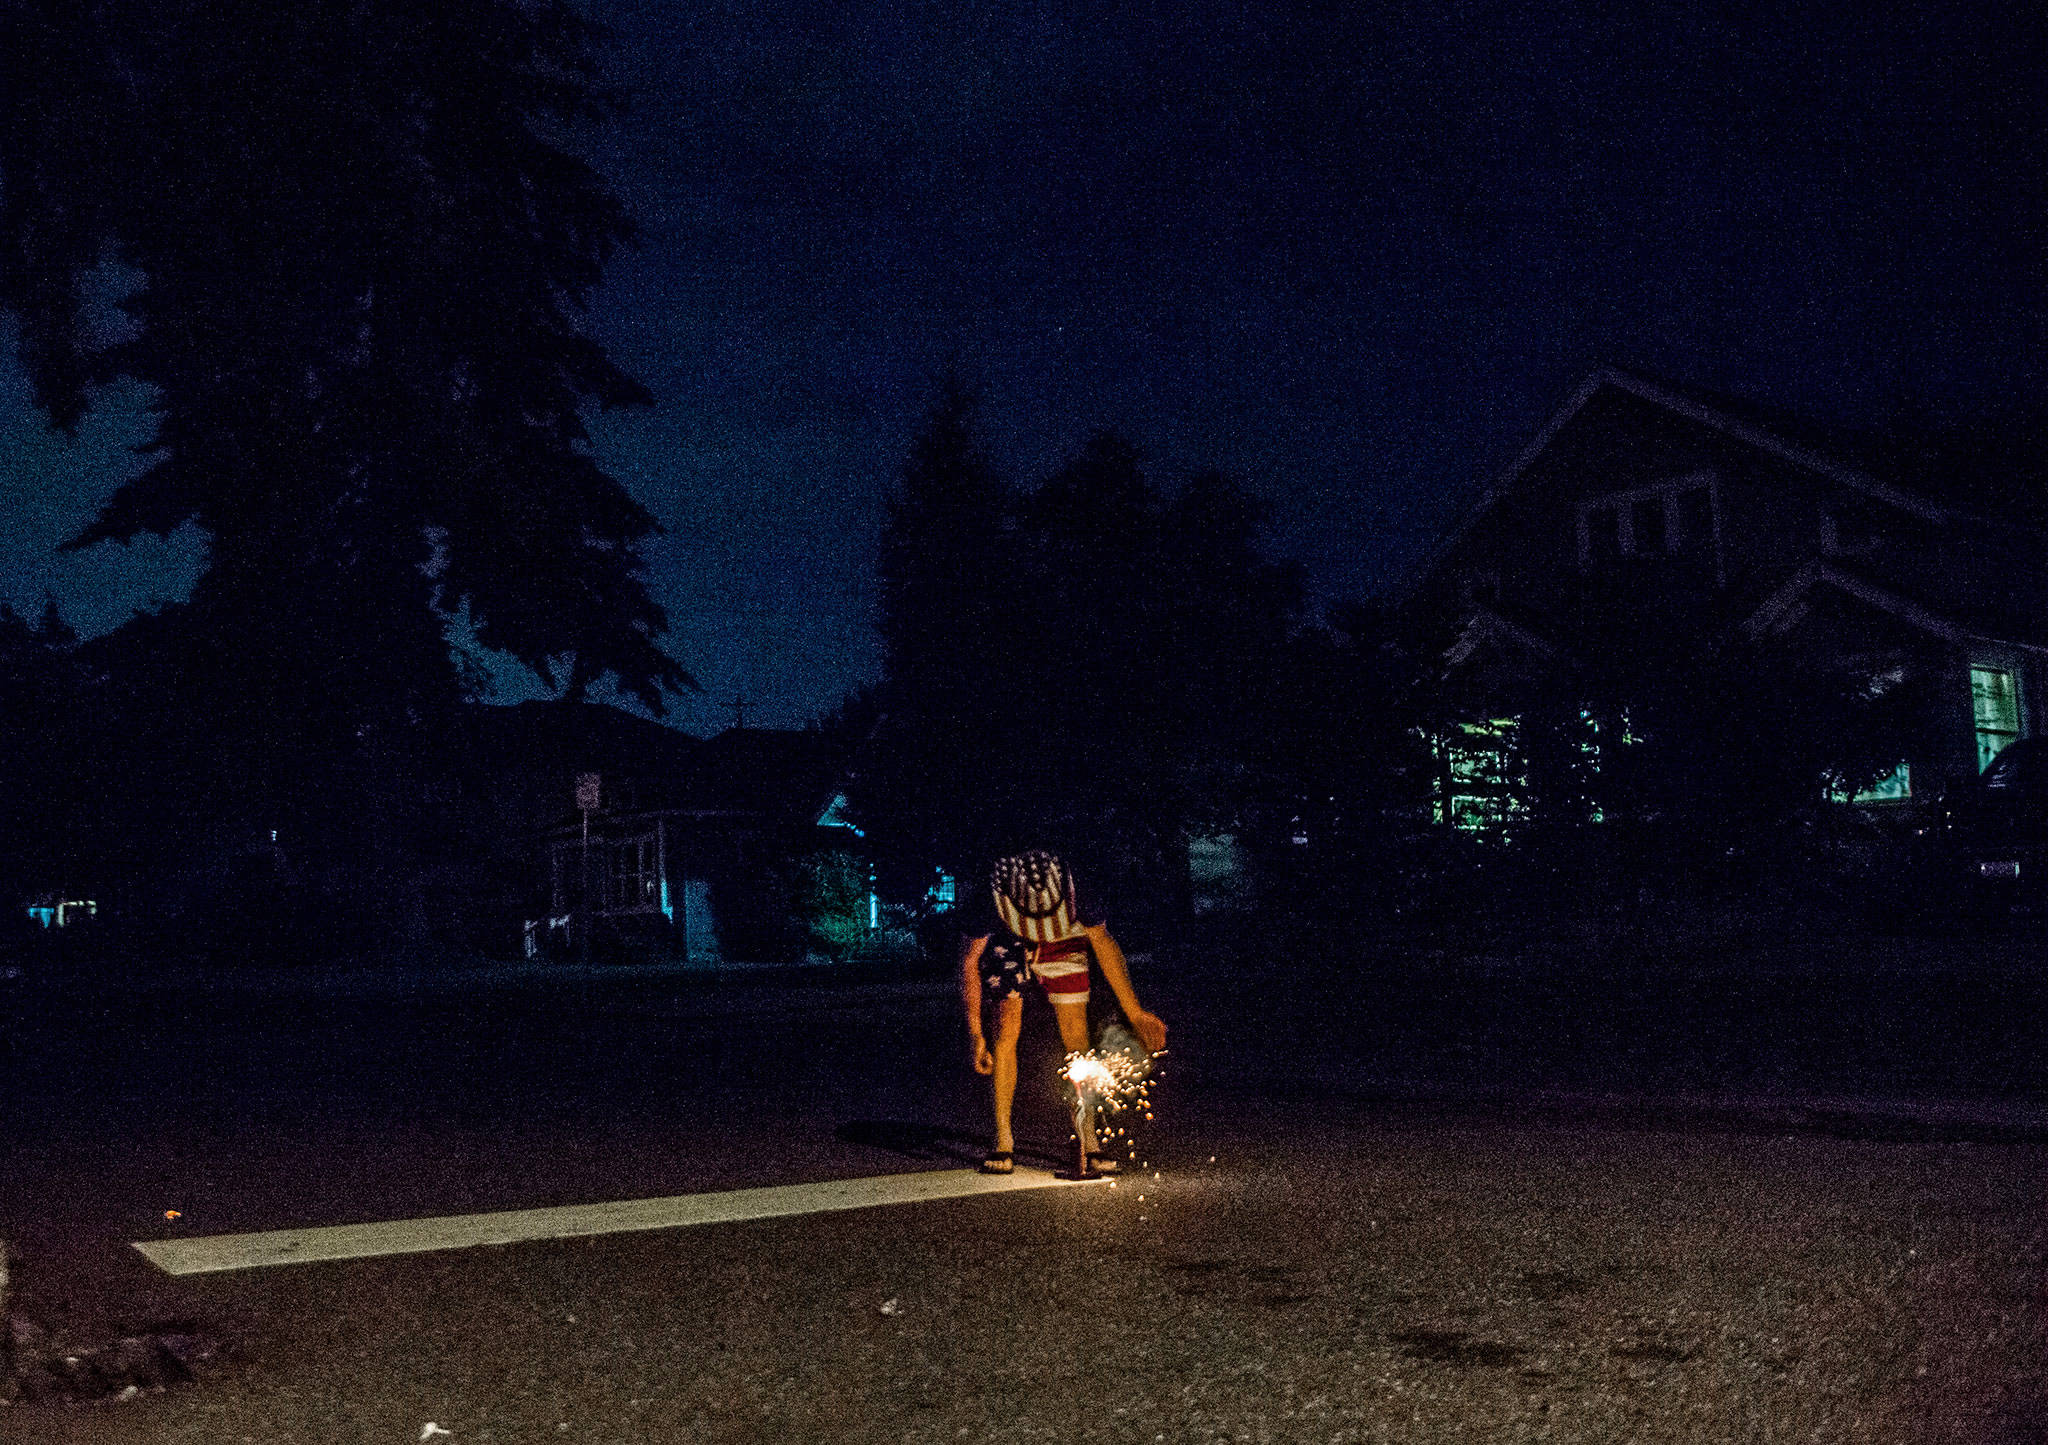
(1353, 259)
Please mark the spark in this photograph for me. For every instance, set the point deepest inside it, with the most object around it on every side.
(1106, 1082)
(1110, 1081)
(1086, 1071)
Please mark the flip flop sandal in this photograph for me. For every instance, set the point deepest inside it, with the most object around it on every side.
(999, 1161)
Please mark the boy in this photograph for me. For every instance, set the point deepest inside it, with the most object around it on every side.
(1038, 928)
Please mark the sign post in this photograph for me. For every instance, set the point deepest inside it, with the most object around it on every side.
(587, 794)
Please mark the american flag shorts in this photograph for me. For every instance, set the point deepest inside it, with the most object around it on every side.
(1062, 970)
(1005, 967)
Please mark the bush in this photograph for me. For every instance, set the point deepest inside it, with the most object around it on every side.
(831, 900)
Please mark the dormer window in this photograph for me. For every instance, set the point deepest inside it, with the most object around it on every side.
(1674, 519)
(1600, 537)
(1647, 532)
(1696, 517)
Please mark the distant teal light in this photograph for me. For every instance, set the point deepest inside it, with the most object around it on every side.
(62, 914)
(834, 816)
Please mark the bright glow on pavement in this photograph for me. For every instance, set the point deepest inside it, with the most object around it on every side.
(219, 1252)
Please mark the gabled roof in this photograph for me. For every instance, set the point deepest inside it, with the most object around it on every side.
(533, 752)
(1486, 625)
(1990, 463)
(1776, 434)
(571, 737)
(751, 776)
(787, 775)
(1784, 604)
(1741, 421)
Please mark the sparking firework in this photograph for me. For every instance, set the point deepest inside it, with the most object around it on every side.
(1107, 1081)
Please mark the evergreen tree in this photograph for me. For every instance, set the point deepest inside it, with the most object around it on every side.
(1087, 642)
(1088, 666)
(41, 696)
(358, 247)
(928, 783)
(945, 550)
(1230, 616)
(1344, 754)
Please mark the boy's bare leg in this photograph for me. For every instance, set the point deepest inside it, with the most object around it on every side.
(1073, 1020)
(1009, 1024)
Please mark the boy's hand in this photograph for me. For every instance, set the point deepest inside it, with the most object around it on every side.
(1151, 1030)
(984, 1061)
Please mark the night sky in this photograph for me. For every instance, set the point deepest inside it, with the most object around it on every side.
(1352, 260)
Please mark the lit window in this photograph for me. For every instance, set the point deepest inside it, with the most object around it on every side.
(635, 881)
(63, 913)
(1895, 786)
(1482, 782)
(1995, 699)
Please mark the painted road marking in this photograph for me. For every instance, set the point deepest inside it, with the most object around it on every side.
(214, 1253)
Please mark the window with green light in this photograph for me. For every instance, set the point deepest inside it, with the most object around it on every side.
(1995, 699)
(1482, 784)
(1895, 786)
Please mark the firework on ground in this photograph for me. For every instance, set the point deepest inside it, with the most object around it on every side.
(1110, 1082)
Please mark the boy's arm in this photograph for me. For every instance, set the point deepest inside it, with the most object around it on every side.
(970, 993)
(1149, 1027)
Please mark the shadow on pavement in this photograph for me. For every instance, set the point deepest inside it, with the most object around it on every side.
(913, 1141)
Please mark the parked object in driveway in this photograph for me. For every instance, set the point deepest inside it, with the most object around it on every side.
(1994, 830)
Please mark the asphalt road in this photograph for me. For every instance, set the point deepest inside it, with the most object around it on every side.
(1451, 1198)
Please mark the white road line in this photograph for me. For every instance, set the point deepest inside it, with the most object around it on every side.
(213, 1253)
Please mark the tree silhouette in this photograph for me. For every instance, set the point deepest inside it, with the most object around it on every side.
(355, 244)
(42, 688)
(1090, 665)
(1345, 759)
(1229, 622)
(945, 548)
(932, 776)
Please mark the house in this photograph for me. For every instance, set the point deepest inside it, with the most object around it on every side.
(688, 848)
(508, 776)
(1649, 522)
(558, 828)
